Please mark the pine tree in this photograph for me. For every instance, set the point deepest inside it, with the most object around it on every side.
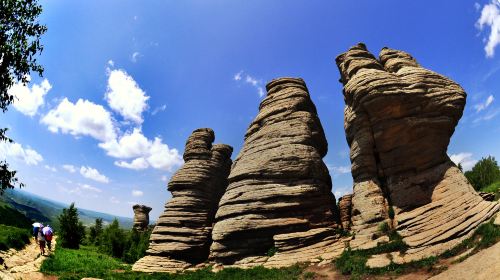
(95, 232)
(72, 231)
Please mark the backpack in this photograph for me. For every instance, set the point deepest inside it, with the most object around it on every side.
(48, 235)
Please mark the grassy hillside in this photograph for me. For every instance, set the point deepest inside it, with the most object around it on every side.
(13, 237)
(87, 262)
(46, 211)
(11, 217)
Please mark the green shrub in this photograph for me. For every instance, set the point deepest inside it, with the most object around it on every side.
(137, 245)
(484, 173)
(384, 227)
(391, 212)
(95, 233)
(13, 237)
(114, 240)
(272, 251)
(353, 262)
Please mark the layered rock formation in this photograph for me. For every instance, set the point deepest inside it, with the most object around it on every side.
(141, 216)
(399, 118)
(345, 208)
(182, 235)
(278, 208)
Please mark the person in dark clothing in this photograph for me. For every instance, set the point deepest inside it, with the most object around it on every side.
(41, 240)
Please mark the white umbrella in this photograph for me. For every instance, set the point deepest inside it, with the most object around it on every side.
(37, 224)
(46, 229)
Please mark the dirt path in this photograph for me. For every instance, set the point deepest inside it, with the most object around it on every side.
(484, 265)
(25, 263)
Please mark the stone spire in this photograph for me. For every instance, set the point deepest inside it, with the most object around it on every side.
(182, 235)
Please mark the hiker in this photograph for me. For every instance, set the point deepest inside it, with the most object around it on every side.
(41, 240)
(36, 228)
(48, 233)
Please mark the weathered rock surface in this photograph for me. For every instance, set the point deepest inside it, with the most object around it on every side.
(399, 118)
(141, 216)
(487, 196)
(279, 196)
(182, 236)
(345, 207)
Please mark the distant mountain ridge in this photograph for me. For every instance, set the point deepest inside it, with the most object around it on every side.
(46, 211)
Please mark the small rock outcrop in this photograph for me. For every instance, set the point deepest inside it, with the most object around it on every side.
(182, 236)
(398, 120)
(278, 208)
(141, 217)
(487, 196)
(345, 207)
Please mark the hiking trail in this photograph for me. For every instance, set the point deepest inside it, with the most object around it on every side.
(25, 263)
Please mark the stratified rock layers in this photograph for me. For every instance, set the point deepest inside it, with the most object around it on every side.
(141, 216)
(399, 118)
(182, 235)
(279, 201)
(345, 207)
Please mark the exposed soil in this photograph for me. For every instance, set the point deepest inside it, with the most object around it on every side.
(25, 263)
(484, 265)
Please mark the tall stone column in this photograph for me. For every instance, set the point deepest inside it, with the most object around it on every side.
(182, 236)
(141, 217)
(399, 118)
(278, 208)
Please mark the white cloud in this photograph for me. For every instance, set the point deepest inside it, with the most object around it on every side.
(111, 63)
(125, 96)
(338, 170)
(481, 106)
(490, 16)
(137, 193)
(237, 76)
(81, 118)
(28, 100)
(161, 157)
(465, 159)
(114, 200)
(488, 115)
(86, 118)
(93, 174)
(135, 56)
(159, 109)
(70, 168)
(132, 203)
(136, 164)
(90, 188)
(51, 168)
(257, 84)
(18, 152)
(130, 145)
(144, 151)
(164, 178)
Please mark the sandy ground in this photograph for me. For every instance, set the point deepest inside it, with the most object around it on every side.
(484, 265)
(24, 264)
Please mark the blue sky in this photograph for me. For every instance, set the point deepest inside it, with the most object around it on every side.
(126, 82)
